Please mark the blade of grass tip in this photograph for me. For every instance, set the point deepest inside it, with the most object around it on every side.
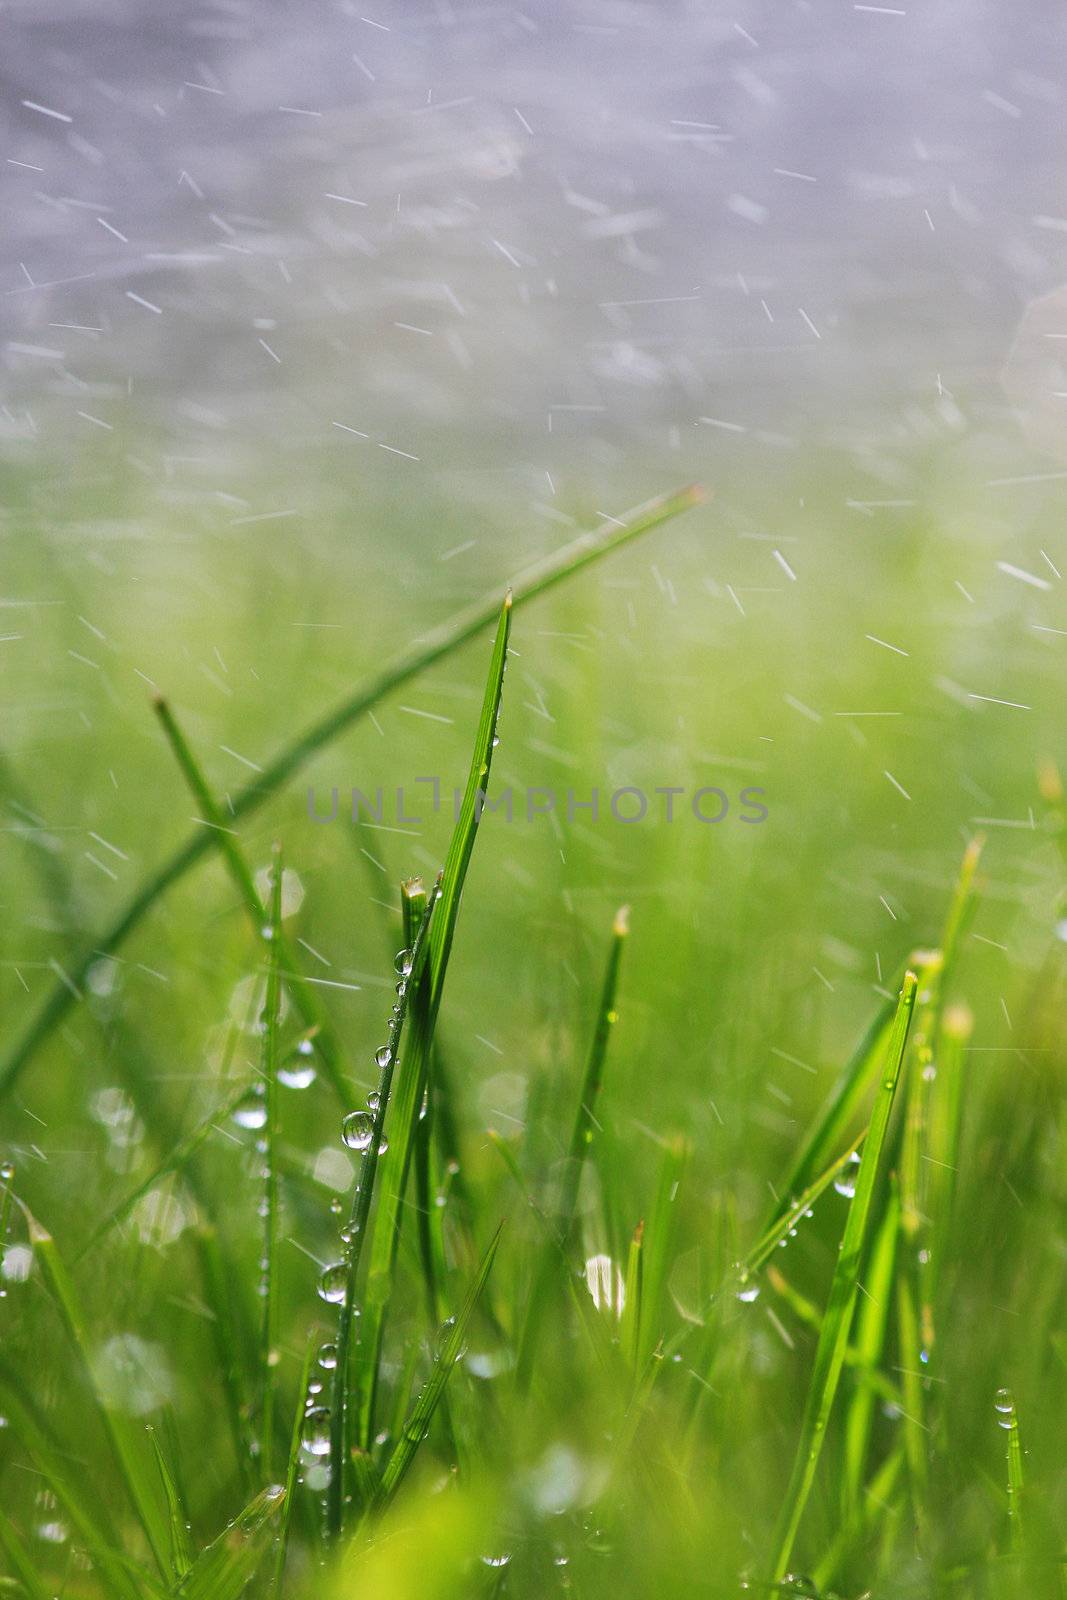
(414, 1065)
(936, 1119)
(117, 1426)
(630, 1323)
(181, 1558)
(769, 1241)
(219, 830)
(412, 907)
(222, 1570)
(178, 1158)
(437, 646)
(548, 1268)
(847, 1093)
(872, 1325)
(269, 1352)
(834, 1334)
(1008, 1419)
(421, 1415)
(292, 1472)
(957, 1025)
(365, 1133)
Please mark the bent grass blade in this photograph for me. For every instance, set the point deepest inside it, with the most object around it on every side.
(535, 580)
(218, 829)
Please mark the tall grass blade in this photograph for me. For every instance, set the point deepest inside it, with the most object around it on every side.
(412, 1075)
(418, 1423)
(358, 1228)
(181, 1558)
(1008, 1419)
(582, 1134)
(872, 1326)
(834, 1334)
(222, 1570)
(269, 1352)
(437, 646)
(292, 1471)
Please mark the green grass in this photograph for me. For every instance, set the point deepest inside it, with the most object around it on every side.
(650, 1264)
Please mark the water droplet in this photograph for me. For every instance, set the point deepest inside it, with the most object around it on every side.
(1004, 1406)
(7, 1172)
(497, 1561)
(444, 1333)
(357, 1130)
(748, 1292)
(383, 1145)
(297, 1075)
(315, 1432)
(251, 1110)
(383, 1057)
(845, 1182)
(332, 1283)
(374, 1100)
(328, 1357)
(403, 963)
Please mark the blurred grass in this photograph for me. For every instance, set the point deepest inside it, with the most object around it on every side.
(758, 957)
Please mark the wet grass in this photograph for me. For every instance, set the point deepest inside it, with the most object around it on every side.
(526, 1351)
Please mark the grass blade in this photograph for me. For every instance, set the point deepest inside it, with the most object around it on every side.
(872, 1325)
(581, 1140)
(178, 1158)
(219, 829)
(414, 1066)
(833, 1336)
(117, 1426)
(269, 1353)
(21, 1562)
(292, 1471)
(222, 1570)
(1008, 1419)
(418, 1422)
(443, 642)
(180, 1553)
(359, 1227)
(86, 1511)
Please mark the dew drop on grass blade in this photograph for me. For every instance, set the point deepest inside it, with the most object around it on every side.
(222, 1570)
(836, 1323)
(358, 1229)
(535, 580)
(269, 1352)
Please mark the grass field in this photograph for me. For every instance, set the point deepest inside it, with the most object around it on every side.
(510, 1207)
